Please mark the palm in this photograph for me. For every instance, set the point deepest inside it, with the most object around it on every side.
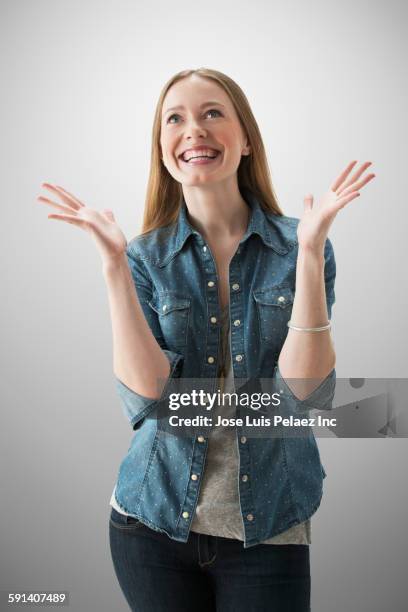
(102, 226)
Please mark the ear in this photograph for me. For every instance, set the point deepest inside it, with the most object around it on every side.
(247, 148)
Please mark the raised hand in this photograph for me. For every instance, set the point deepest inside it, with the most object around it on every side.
(317, 218)
(110, 240)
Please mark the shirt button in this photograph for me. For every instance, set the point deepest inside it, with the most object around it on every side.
(243, 439)
(186, 515)
(235, 286)
(250, 517)
(244, 478)
(238, 358)
(237, 322)
(211, 360)
(194, 476)
(165, 307)
(211, 283)
(204, 249)
(213, 319)
(281, 298)
(200, 439)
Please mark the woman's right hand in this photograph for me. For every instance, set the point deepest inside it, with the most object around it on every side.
(109, 238)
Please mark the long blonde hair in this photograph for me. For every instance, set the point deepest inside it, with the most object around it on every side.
(164, 193)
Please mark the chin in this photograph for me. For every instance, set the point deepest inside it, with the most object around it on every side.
(194, 180)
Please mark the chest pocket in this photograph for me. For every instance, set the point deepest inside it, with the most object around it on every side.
(274, 307)
(174, 313)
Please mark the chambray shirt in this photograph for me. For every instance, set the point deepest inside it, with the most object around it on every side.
(176, 282)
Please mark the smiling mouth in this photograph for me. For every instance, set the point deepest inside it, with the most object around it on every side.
(200, 159)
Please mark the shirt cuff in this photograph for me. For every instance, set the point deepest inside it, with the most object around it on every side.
(320, 399)
(136, 406)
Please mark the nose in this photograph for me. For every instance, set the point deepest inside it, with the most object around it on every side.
(194, 129)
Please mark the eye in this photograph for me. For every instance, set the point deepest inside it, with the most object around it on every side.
(171, 116)
(212, 110)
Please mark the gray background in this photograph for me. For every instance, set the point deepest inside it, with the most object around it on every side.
(80, 81)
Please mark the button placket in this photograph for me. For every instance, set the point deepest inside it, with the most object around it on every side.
(246, 500)
(212, 290)
(192, 491)
(237, 332)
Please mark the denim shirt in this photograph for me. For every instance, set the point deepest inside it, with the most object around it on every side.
(176, 281)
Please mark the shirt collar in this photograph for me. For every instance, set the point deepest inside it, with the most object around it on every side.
(269, 226)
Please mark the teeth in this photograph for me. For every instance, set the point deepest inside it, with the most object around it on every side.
(208, 153)
(202, 157)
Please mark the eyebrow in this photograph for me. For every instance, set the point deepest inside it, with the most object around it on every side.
(213, 102)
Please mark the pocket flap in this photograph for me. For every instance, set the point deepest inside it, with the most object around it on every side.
(164, 303)
(275, 296)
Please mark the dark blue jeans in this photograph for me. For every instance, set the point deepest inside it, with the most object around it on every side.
(207, 573)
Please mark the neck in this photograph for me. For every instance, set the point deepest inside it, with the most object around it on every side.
(217, 211)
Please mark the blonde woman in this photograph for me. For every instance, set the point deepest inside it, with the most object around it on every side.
(220, 285)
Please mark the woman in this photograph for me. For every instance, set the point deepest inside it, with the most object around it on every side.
(219, 286)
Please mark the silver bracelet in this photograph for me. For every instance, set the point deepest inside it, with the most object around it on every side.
(312, 329)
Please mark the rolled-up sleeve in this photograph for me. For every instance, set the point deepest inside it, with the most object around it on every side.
(134, 405)
(320, 399)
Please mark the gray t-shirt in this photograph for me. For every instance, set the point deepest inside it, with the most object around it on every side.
(218, 511)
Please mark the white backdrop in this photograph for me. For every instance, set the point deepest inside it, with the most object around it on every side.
(80, 81)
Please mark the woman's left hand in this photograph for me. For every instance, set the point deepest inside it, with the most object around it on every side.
(317, 218)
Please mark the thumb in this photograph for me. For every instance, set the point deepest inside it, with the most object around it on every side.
(308, 202)
(109, 214)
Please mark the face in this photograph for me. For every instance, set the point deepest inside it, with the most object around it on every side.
(197, 112)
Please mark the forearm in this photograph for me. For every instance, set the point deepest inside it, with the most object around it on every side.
(138, 360)
(308, 357)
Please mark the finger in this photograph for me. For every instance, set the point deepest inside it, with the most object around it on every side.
(339, 180)
(109, 214)
(345, 200)
(51, 203)
(68, 199)
(357, 186)
(71, 195)
(356, 175)
(308, 202)
(70, 219)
